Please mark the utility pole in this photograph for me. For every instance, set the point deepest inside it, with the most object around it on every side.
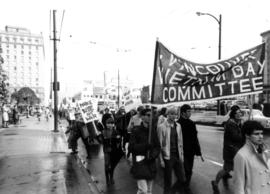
(55, 83)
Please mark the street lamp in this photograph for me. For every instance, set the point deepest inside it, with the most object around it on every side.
(219, 21)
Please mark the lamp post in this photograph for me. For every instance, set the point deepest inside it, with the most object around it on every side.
(219, 21)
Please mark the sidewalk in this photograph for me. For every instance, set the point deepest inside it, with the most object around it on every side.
(33, 159)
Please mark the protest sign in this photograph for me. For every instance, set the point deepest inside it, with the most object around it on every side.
(129, 101)
(88, 109)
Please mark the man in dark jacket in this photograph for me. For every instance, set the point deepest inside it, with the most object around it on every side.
(106, 115)
(233, 141)
(191, 144)
(145, 153)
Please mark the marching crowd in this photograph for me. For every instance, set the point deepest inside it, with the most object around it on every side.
(169, 137)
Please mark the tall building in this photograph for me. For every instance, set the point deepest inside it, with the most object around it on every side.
(23, 54)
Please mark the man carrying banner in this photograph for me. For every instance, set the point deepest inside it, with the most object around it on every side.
(144, 169)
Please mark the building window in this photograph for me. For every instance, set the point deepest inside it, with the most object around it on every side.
(22, 39)
(15, 46)
(22, 46)
(15, 68)
(15, 57)
(36, 47)
(14, 39)
(7, 38)
(29, 39)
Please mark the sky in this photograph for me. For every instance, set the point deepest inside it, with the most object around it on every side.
(99, 37)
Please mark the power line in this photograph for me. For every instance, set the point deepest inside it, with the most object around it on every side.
(62, 23)
(50, 23)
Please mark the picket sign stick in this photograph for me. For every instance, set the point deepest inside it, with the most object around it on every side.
(250, 102)
(152, 95)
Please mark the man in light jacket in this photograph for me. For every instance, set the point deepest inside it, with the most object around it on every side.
(252, 162)
(172, 157)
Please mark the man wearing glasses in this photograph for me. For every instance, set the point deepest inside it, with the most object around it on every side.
(172, 158)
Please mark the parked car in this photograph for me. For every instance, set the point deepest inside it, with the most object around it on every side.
(211, 106)
(256, 115)
(241, 103)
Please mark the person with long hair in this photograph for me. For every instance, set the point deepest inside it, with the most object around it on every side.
(111, 140)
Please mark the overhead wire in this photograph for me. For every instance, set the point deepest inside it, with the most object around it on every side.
(63, 14)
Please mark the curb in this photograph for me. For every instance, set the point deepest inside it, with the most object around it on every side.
(207, 123)
(87, 175)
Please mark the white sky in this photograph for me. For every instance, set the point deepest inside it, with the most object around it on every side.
(134, 25)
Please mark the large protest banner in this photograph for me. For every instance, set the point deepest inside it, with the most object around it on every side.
(88, 110)
(178, 80)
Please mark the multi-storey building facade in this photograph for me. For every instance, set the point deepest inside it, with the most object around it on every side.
(23, 54)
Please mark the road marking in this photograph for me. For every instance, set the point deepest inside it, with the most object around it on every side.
(214, 162)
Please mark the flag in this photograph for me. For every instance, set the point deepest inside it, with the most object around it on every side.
(176, 79)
